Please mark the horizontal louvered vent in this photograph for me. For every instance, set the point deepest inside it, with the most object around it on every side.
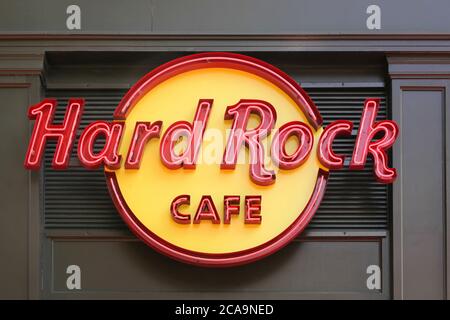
(353, 199)
(78, 198)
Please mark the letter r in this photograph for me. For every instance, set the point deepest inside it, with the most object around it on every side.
(252, 138)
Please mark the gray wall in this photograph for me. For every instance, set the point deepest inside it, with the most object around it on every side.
(419, 73)
(260, 17)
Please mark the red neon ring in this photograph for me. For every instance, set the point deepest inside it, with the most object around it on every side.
(217, 60)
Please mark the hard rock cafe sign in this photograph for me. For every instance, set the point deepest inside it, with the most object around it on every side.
(214, 159)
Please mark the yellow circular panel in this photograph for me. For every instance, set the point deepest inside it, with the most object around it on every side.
(150, 190)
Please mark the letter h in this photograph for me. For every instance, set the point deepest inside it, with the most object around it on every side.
(44, 129)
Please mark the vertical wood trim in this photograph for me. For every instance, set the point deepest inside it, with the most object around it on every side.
(398, 87)
(447, 189)
(35, 213)
(24, 71)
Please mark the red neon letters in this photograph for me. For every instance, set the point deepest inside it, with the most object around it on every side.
(112, 132)
(207, 211)
(64, 133)
(192, 132)
(230, 207)
(253, 209)
(143, 132)
(367, 141)
(181, 218)
(367, 130)
(325, 152)
(305, 143)
(252, 138)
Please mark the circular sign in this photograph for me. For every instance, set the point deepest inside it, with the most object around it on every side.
(144, 196)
